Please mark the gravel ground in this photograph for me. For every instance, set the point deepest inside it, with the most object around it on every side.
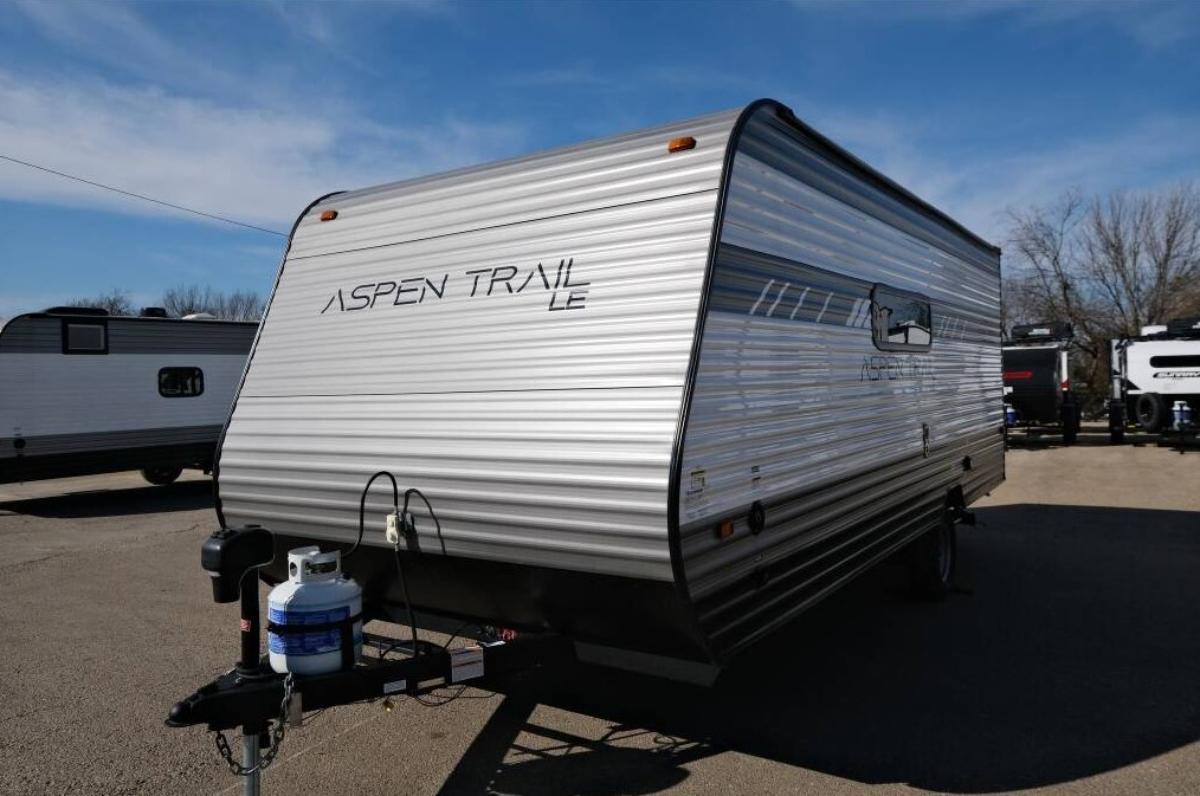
(1067, 663)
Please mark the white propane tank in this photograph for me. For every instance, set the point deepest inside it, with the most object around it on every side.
(315, 593)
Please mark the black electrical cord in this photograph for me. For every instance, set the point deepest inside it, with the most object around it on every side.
(402, 516)
(450, 640)
(362, 521)
(408, 493)
(412, 617)
(362, 508)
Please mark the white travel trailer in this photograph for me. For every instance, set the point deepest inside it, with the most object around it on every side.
(1153, 371)
(84, 392)
(662, 390)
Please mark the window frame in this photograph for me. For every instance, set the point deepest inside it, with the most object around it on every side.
(194, 372)
(1157, 366)
(882, 343)
(67, 323)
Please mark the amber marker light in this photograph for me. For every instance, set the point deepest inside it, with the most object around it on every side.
(725, 529)
(680, 144)
(328, 215)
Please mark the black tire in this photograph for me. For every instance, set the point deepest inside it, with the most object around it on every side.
(932, 559)
(1151, 412)
(161, 476)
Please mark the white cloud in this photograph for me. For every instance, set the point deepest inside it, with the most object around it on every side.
(977, 187)
(115, 35)
(1154, 25)
(256, 165)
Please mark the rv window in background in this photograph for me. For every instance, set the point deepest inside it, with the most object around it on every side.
(85, 338)
(900, 321)
(1175, 361)
(180, 382)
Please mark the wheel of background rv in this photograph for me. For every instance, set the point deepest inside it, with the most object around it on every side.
(1116, 422)
(1150, 411)
(1070, 422)
(161, 476)
(932, 559)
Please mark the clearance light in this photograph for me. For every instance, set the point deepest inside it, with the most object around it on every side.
(328, 215)
(725, 529)
(681, 144)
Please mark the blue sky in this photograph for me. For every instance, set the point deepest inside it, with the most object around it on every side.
(250, 110)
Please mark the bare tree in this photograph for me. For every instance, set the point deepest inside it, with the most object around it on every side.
(1108, 265)
(116, 301)
(1143, 256)
(239, 305)
(187, 300)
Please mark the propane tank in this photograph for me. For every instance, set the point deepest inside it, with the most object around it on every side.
(1183, 415)
(315, 593)
(1010, 415)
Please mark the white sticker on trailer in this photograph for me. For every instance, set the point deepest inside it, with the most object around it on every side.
(466, 663)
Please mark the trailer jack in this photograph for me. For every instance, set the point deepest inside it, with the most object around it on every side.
(263, 702)
(963, 516)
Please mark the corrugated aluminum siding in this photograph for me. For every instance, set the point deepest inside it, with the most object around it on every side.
(542, 436)
(791, 394)
(60, 403)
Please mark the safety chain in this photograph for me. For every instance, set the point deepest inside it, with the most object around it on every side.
(277, 732)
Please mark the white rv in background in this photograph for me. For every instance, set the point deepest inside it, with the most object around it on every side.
(84, 392)
(1153, 371)
(663, 390)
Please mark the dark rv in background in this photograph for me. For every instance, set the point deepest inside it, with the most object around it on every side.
(84, 392)
(1037, 379)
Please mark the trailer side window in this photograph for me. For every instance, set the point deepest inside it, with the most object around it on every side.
(1175, 361)
(85, 338)
(900, 321)
(180, 382)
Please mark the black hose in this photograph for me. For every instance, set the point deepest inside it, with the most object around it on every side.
(362, 508)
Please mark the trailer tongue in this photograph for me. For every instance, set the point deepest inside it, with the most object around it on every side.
(263, 702)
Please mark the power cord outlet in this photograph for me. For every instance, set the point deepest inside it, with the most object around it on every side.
(404, 522)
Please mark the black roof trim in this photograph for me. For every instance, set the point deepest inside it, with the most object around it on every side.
(54, 312)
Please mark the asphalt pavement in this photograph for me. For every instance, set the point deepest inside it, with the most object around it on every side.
(1067, 662)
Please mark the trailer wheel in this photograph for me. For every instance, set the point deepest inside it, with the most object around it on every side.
(161, 476)
(932, 558)
(1150, 412)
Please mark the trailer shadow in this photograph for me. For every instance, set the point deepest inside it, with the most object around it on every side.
(1070, 653)
(179, 496)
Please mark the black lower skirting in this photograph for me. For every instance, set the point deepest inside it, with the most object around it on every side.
(62, 465)
(630, 613)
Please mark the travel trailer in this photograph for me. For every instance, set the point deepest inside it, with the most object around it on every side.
(1153, 371)
(83, 392)
(1037, 379)
(662, 391)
